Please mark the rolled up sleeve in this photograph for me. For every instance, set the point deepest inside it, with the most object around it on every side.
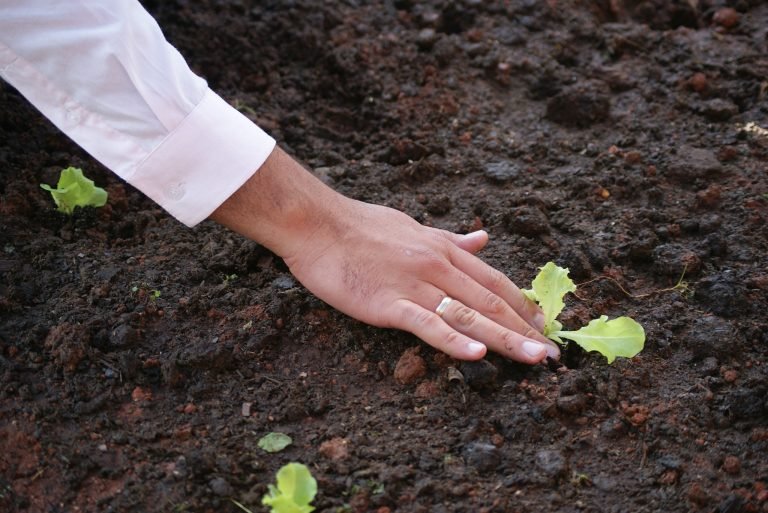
(105, 75)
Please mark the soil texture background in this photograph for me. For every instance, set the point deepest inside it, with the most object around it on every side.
(141, 361)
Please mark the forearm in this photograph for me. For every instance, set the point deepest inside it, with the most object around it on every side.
(104, 74)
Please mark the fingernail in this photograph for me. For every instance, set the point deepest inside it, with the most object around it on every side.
(552, 351)
(538, 321)
(533, 349)
(475, 347)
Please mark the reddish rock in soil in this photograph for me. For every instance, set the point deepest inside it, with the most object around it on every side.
(633, 157)
(698, 82)
(67, 343)
(335, 449)
(427, 390)
(698, 496)
(669, 477)
(727, 153)
(140, 394)
(636, 414)
(410, 367)
(726, 17)
(732, 465)
(709, 197)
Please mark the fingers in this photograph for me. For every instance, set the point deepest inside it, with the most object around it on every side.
(517, 346)
(459, 329)
(460, 286)
(433, 330)
(499, 284)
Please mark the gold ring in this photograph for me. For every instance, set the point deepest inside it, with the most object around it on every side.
(443, 306)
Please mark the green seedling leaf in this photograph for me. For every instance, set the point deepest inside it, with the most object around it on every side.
(275, 442)
(295, 490)
(548, 289)
(618, 337)
(75, 190)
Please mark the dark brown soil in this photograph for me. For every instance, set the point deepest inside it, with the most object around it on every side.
(624, 139)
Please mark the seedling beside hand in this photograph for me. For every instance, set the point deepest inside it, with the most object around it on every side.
(75, 190)
(611, 338)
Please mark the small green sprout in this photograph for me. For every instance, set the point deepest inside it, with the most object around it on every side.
(580, 479)
(616, 337)
(75, 190)
(295, 490)
(143, 291)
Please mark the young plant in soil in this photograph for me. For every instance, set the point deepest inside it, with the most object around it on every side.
(295, 490)
(622, 336)
(75, 190)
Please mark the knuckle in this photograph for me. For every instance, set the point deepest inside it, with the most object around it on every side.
(493, 303)
(453, 338)
(509, 340)
(441, 236)
(433, 261)
(523, 303)
(466, 317)
(409, 315)
(496, 279)
(423, 317)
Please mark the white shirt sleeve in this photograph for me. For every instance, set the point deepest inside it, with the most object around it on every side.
(104, 74)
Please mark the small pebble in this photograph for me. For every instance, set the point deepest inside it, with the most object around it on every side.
(719, 109)
(526, 220)
(711, 336)
(410, 367)
(501, 171)
(221, 487)
(572, 404)
(726, 17)
(483, 456)
(479, 374)
(580, 105)
(730, 376)
(335, 449)
(553, 463)
(732, 465)
(698, 82)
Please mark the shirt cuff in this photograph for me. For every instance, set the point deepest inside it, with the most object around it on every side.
(202, 162)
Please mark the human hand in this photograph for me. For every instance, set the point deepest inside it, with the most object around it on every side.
(382, 267)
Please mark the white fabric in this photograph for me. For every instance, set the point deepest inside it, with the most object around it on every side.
(103, 73)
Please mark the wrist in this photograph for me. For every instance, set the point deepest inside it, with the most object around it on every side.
(282, 206)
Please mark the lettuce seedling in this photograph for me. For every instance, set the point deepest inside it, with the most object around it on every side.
(274, 442)
(611, 338)
(295, 489)
(75, 190)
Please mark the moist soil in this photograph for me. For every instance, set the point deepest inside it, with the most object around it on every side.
(142, 361)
